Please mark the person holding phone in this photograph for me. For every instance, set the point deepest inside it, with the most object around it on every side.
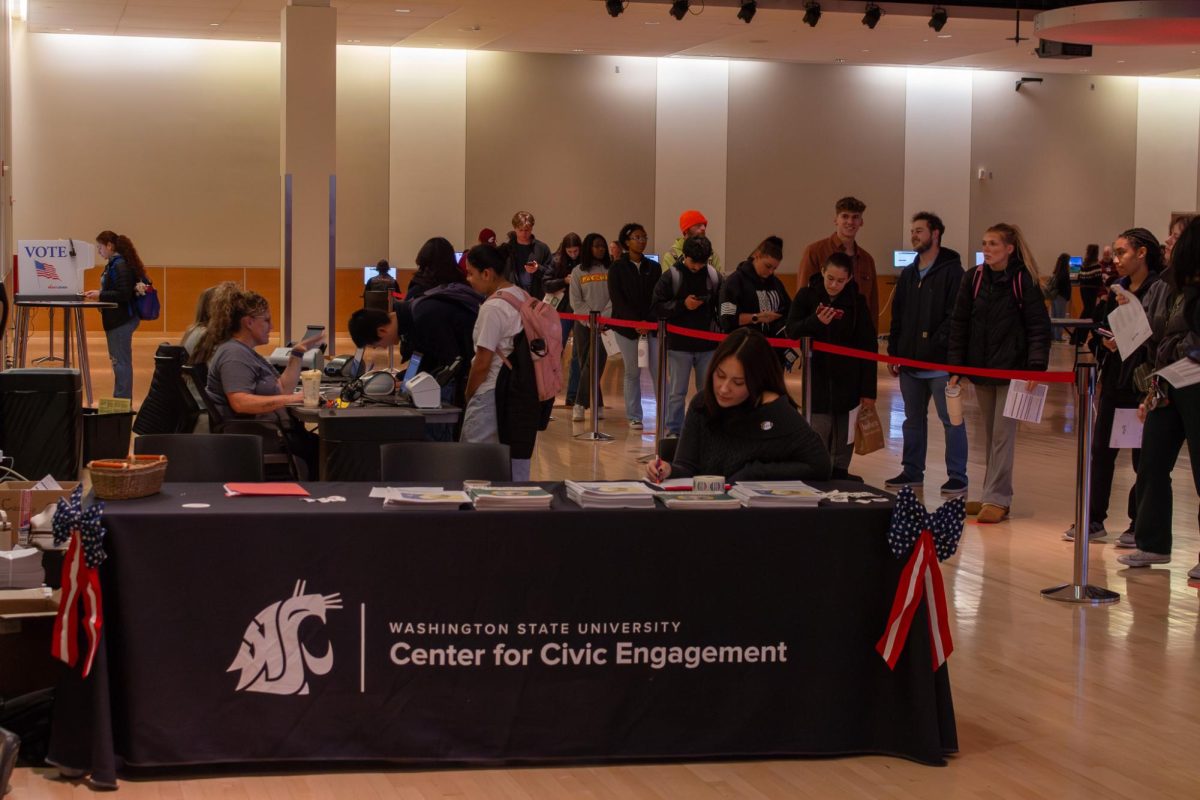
(753, 296)
(527, 258)
(686, 296)
(831, 309)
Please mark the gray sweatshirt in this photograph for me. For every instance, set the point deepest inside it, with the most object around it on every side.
(589, 291)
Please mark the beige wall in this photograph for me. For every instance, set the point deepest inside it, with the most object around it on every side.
(1062, 157)
(172, 142)
(800, 137)
(569, 138)
(363, 130)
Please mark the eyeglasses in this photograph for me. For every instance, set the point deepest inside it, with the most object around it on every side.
(637, 238)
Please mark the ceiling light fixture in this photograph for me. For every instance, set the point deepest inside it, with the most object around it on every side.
(937, 19)
(812, 14)
(403, 10)
(871, 17)
(747, 11)
(615, 7)
(679, 8)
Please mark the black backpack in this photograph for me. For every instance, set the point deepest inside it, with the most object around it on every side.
(519, 412)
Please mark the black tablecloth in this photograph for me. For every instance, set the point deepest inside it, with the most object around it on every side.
(275, 630)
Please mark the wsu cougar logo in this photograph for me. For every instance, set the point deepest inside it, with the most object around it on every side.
(271, 658)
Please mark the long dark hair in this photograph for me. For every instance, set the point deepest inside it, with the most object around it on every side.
(1091, 255)
(436, 265)
(760, 366)
(561, 262)
(125, 250)
(586, 259)
(1185, 257)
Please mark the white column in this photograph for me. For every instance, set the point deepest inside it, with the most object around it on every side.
(691, 148)
(308, 152)
(937, 155)
(1168, 134)
(428, 174)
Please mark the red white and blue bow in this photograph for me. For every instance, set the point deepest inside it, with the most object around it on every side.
(80, 578)
(926, 539)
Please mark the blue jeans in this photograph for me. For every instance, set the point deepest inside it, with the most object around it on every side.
(679, 364)
(916, 392)
(120, 350)
(1058, 307)
(633, 374)
(573, 369)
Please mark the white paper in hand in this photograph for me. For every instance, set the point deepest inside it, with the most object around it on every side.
(853, 424)
(1024, 405)
(1183, 372)
(1130, 326)
(1126, 430)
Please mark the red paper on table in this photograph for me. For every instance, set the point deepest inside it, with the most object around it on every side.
(265, 490)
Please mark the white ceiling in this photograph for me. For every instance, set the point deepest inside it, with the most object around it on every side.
(902, 37)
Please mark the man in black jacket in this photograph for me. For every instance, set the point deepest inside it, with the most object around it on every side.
(921, 310)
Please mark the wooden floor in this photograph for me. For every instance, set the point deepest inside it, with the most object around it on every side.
(1052, 700)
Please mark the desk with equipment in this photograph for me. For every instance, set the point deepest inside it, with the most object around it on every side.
(274, 629)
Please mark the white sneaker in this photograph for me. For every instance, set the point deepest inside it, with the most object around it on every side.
(635, 424)
(1141, 558)
(577, 413)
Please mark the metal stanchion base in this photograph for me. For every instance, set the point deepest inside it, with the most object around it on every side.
(1092, 595)
(594, 436)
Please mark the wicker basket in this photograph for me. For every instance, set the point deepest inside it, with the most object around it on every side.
(125, 479)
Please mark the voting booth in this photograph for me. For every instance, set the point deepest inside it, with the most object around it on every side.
(53, 267)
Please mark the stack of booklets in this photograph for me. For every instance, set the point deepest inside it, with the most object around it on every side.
(776, 494)
(704, 500)
(424, 498)
(21, 568)
(510, 498)
(610, 494)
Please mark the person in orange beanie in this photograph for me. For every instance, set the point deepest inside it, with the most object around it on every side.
(691, 223)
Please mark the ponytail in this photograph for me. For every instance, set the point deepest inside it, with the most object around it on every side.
(1012, 235)
(228, 307)
(125, 249)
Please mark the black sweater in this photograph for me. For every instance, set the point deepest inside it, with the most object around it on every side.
(770, 442)
(839, 382)
(921, 309)
(992, 330)
(631, 289)
(669, 305)
(117, 286)
(1116, 375)
(744, 292)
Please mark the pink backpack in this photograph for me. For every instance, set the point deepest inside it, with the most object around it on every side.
(543, 333)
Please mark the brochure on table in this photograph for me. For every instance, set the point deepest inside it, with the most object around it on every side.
(47, 267)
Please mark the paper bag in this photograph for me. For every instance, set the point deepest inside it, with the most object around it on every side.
(868, 432)
(609, 340)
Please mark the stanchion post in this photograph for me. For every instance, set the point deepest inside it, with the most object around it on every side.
(660, 403)
(806, 375)
(1079, 590)
(594, 435)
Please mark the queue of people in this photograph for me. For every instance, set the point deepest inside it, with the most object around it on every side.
(741, 421)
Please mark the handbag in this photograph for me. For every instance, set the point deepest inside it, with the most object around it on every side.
(868, 432)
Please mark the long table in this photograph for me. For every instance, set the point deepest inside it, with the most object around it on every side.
(279, 630)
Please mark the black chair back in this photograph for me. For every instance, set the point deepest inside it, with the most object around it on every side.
(41, 421)
(444, 462)
(206, 456)
(350, 440)
(665, 448)
(169, 406)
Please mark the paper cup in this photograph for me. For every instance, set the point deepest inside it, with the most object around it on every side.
(310, 379)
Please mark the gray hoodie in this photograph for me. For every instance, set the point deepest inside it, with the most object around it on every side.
(589, 291)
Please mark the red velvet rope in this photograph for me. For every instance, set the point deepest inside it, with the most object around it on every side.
(850, 352)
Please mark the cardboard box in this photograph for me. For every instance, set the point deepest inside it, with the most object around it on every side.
(26, 626)
(10, 504)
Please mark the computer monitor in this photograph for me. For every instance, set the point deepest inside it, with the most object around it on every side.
(369, 272)
(414, 366)
(1076, 264)
(978, 258)
(358, 364)
(902, 258)
(652, 256)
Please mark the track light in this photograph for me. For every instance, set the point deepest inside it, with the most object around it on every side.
(812, 14)
(937, 20)
(871, 18)
(615, 7)
(679, 8)
(748, 10)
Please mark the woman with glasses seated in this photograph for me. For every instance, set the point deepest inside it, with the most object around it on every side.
(743, 425)
(242, 384)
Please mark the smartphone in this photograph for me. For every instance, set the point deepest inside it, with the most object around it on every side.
(703, 298)
(1107, 334)
(312, 330)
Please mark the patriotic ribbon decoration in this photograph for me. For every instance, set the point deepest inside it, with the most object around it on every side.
(80, 579)
(926, 539)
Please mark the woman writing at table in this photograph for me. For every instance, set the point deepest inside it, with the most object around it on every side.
(743, 425)
(242, 384)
